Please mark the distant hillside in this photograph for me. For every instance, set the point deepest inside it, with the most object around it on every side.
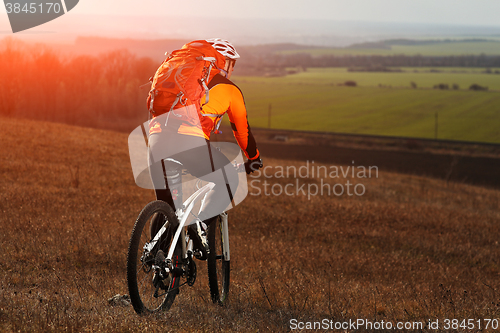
(387, 44)
(410, 47)
(273, 48)
(156, 48)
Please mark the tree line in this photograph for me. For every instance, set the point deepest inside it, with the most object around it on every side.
(103, 92)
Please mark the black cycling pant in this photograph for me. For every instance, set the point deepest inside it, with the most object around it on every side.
(201, 160)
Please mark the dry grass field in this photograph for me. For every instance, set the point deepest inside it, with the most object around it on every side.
(410, 249)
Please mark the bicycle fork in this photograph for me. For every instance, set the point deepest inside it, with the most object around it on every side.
(225, 236)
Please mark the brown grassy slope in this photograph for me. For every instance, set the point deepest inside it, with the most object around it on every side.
(411, 248)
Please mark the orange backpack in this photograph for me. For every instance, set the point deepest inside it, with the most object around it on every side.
(181, 80)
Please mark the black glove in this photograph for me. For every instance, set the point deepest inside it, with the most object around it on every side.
(253, 165)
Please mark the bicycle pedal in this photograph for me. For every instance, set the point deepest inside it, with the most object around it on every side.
(203, 238)
(200, 255)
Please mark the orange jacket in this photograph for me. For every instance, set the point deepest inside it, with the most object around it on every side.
(225, 96)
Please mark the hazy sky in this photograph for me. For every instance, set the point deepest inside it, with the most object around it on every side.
(463, 12)
(281, 20)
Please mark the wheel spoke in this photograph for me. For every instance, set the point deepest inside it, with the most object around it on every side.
(140, 269)
(142, 284)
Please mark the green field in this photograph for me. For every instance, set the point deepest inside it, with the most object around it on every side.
(423, 77)
(439, 49)
(313, 101)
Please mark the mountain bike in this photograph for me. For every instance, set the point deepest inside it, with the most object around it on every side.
(161, 255)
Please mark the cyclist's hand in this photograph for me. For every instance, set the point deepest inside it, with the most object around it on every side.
(253, 165)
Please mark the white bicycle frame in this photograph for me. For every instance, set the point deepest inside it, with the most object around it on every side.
(182, 216)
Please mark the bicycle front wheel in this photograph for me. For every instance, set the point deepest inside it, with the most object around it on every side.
(217, 263)
(149, 289)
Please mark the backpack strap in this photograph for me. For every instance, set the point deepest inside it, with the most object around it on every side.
(178, 99)
(203, 82)
(152, 93)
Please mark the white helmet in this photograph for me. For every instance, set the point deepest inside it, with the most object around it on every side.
(224, 47)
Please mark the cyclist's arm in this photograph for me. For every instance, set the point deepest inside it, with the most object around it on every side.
(239, 123)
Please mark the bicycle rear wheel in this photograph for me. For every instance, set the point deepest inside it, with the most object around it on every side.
(149, 289)
(218, 266)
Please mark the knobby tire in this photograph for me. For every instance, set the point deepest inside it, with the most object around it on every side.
(140, 281)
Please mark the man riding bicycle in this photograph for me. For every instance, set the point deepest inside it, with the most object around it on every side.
(187, 146)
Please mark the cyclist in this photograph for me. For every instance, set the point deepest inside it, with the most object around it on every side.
(225, 96)
(188, 147)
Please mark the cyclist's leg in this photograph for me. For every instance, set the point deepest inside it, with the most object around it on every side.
(165, 146)
(213, 166)
(161, 171)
